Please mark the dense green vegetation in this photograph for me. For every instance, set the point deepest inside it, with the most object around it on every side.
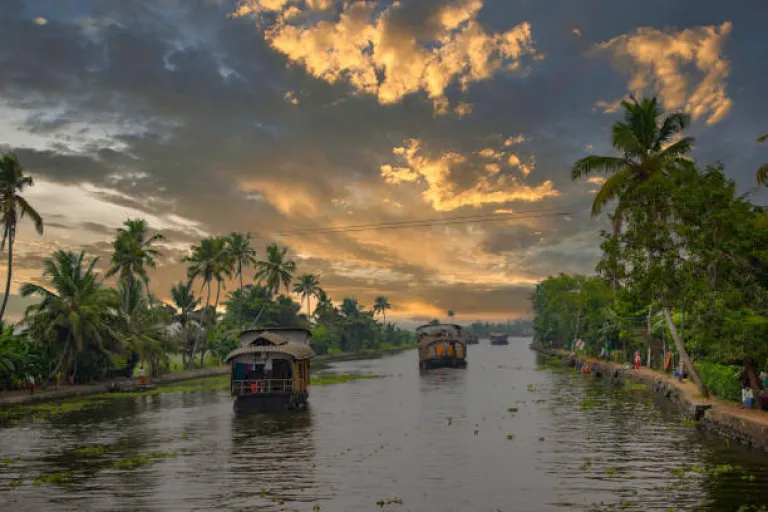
(518, 327)
(684, 269)
(82, 329)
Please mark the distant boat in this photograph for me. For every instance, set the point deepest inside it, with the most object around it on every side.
(472, 338)
(441, 346)
(498, 338)
(270, 370)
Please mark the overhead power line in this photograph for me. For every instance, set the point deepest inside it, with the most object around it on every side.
(426, 223)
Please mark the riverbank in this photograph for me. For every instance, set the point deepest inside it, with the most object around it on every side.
(713, 415)
(53, 394)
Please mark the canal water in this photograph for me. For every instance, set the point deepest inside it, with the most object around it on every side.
(509, 433)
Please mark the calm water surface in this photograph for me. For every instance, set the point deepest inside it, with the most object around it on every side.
(448, 440)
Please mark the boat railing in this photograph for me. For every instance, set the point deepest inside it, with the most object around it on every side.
(257, 386)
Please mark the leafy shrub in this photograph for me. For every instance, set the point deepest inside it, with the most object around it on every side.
(721, 380)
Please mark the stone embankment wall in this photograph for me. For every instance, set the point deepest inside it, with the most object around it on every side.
(712, 415)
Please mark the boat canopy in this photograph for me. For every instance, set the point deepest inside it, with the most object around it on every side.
(439, 330)
(298, 335)
(270, 342)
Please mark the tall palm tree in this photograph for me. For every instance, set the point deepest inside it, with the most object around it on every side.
(645, 141)
(184, 300)
(185, 303)
(451, 314)
(242, 254)
(209, 261)
(380, 306)
(307, 286)
(762, 172)
(13, 208)
(75, 309)
(133, 254)
(276, 272)
(142, 327)
(350, 307)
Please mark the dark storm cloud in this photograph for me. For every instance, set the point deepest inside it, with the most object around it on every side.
(194, 103)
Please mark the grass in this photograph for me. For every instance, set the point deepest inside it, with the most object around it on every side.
(327, 379)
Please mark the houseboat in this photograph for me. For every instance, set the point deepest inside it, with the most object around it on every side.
(472, 338)
(498, 338)
(441, 346)
(270, 369)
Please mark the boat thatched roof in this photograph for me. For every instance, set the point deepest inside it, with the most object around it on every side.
(456, 326)
(294, 350)
(426, 341)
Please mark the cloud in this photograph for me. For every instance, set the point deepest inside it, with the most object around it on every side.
(379, 54)
(688, 68)
(443, 193)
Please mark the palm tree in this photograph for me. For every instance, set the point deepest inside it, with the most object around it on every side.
(307, 286)
(276, 272)
(451, 314)
(380, 306)
(645, 140)
(13, 208)
(133, 253)
(185, 303)
(75, 309)
(142, 327)
(350, 307)
(209, 261)
(184, 300)
(762, 172)
(242, 254)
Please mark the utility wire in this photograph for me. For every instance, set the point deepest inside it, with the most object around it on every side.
(419, 223)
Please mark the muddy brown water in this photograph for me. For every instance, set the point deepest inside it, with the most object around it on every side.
(446, 440)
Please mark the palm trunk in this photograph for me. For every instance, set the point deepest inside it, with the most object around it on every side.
(10, 231)
(242, 301)
(684, 354)
(384, 313)
(751, 373)
(197, 338)
(61, 361)
(210, 323)
(309, 314)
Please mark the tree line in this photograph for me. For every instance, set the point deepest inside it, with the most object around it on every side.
(82, 329)
(684, 267)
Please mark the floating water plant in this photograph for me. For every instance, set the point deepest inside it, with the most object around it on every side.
(325, 380)
(512, 409)
(510, 437)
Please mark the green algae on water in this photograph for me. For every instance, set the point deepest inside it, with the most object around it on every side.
(325, 380)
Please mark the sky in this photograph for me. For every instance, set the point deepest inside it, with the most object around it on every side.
(265, 116)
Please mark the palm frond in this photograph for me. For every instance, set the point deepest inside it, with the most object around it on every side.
(611, 189)
(593, 164)
(762, 174)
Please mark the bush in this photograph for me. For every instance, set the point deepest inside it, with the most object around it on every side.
(721, 380)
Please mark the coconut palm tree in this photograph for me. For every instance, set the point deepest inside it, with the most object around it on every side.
(142, 327)
(242, 254)
(646, 141)
(380, 306)
(307, 286)
(133, 254)
(209, 261)
(13, 208)
(276, 272)
(762, 172)
(185, 303)
(75, 310)
(451, 314)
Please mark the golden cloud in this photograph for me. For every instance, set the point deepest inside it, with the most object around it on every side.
(441, 192)
(364, 47)
(658, 59)
(288, 198)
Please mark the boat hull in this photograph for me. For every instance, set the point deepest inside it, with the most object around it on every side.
(442, 362)
(271, 402)
(499, 342)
